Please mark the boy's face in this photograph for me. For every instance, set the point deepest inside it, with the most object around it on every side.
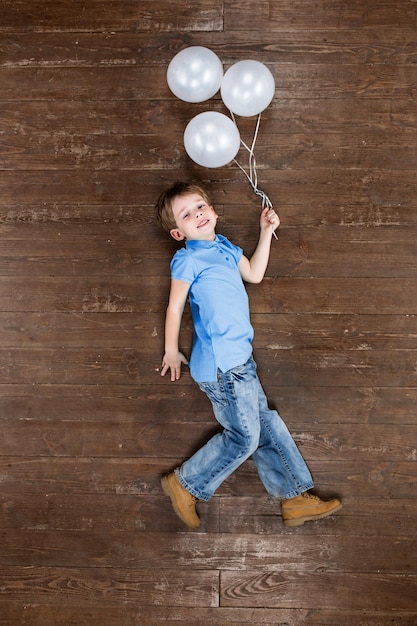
(194, 218)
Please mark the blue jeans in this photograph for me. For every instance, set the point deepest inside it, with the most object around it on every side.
(250, 429)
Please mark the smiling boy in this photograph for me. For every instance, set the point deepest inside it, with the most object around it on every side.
(210, 271)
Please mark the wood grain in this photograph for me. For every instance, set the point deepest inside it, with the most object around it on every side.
(90, 134)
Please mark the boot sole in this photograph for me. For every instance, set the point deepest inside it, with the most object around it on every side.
(299, 521)
(169, 492)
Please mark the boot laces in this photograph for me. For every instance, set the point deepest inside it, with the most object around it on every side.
(310, 496)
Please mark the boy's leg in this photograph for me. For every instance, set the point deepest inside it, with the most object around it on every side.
(280, 465)
(284, 472)
(234, 398)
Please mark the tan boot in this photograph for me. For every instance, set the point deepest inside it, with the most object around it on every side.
(182, 501)
(306, 507)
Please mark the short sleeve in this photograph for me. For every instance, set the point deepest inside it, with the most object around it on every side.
(182, 267)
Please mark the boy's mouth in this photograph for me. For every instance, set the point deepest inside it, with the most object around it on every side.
(203, 223)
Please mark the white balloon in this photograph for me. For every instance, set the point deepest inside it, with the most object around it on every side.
(247, 88)
(211, 139)
(195, 74)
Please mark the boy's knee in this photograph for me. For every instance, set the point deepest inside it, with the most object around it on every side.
(245, 440)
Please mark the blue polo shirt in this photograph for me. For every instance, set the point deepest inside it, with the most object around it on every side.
(219, 305)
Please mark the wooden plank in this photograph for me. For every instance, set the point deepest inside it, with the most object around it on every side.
(325, 212)
(118, 440)
(333, 295)
(298, 46)
(108, 15)
(305, 254)
(326, 369)
(387, 519)
(36, 437)
(383, 480)
(48, 189)
(350, 186)
(95, 151)
(130, 513)
(141, 476)
(81, 476)
(120, 83)
(314, 120)
(276, 366)
(298, 15)
(76, 330)
(134, 404)
(127, 16)
(280, 332)
(110, 83)
(292, 215)
(139, 585)
(146, 152)
(51, 249)
(348, 368)
(138, 151)
(338, 332)
(86, 294)
(132, 366)
(176, 402)
(240, 556)
(350, 150)
(131, 615)
(367, 591)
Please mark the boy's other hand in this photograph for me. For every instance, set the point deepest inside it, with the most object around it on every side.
(269, 219)
(173, 362)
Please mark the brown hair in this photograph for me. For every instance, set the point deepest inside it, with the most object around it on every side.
(163, 207)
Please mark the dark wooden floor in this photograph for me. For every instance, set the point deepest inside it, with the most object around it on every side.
(89, 136)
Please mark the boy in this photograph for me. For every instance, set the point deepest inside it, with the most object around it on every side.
(210, 271)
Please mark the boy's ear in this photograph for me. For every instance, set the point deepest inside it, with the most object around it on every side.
(176, 234)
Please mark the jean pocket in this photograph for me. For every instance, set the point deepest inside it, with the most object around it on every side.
(215, 393)
(244, 373)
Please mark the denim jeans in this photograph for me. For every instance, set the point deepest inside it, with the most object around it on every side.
(250, 428)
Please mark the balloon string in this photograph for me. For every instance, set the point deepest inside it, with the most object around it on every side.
(252, 176)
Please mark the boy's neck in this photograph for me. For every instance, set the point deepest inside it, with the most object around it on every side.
(209, 240)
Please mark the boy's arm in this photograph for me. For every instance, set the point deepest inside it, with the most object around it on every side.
(173, 358)
(253, 270)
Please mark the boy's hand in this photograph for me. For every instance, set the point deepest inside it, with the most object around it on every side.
(269, 220)
(173, 362)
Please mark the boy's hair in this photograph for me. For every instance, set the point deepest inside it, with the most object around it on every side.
(164, 213)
